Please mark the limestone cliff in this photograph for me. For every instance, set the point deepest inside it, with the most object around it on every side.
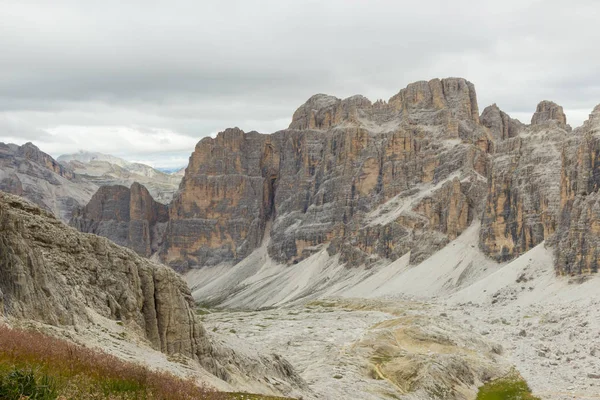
(52, 274)
(128, 216)
(340, 164)
(499, 123)
(26, 171)
(523, 201)
(577, 244)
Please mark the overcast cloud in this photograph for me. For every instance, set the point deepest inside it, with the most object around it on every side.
(146, 80)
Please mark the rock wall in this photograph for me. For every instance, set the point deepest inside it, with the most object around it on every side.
(318, 182)
(523, 202)
(128, 216)
(577, 244)
(26, 171)
(53, 274)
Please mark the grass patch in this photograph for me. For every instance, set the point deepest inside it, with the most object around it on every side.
(511, 387)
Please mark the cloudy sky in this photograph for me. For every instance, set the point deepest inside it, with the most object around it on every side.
(146, 80)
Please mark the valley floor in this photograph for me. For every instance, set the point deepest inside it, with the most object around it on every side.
(547, 326)
(334, 343)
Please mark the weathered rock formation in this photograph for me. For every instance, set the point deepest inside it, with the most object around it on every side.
(53, 274)
(339, 165)
(499, 123)
(26, 171)
(548, 111)
(107, 170)
(128, 216)
(577, 244)
(523, 202)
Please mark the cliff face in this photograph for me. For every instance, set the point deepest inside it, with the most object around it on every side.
(53, 274)
(577, 244)
(128, 216)
(499, 123)
(339, 165)
(26, 171)
(523, 201)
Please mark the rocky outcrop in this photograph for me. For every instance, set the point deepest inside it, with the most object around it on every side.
(499, 123)
(107, 170)
(128, 216)
(548, 111)
(577, 244)
(52, 274)
(523, 202)
(26, 171)
(320, 181)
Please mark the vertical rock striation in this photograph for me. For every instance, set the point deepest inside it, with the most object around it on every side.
(128, 216)
(320, 182)
(577, 244)
(51, 273)
(26, 171)
(523, 202)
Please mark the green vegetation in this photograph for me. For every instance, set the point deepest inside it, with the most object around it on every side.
(17, 384)
(34, 366)
(511, 387)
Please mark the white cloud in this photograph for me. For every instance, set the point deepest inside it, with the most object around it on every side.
(113, 70)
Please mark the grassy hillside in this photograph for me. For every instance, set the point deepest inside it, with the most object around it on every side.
(38, 367)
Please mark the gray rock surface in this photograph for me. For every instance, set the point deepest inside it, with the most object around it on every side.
(577, 242)
(26, 171)
(53, 274)
(499, 123)
(324, 179)
(128, 216)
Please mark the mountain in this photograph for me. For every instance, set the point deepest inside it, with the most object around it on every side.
(368, 183)
(104, 169)
(86, 287)
(87, 157)
(26, 171)
(128, 216)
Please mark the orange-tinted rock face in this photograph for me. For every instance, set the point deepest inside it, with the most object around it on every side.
(316, 183)
(523, 202)
(577, 242)
(128, 216)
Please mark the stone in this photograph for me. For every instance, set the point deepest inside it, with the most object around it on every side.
(548, 111)
(523, 201)
(577, 247)
(129, 217)
(499, 123)
(107, 170)
(341, 165)
(27, 171)
(52, 274)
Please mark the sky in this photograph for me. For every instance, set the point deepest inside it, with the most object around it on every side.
(146, 80)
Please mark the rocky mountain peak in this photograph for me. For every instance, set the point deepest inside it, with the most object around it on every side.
(322, 111)
(594, 116)
(549, 111)
(499, 123)
(455, 94)
(128, 216)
